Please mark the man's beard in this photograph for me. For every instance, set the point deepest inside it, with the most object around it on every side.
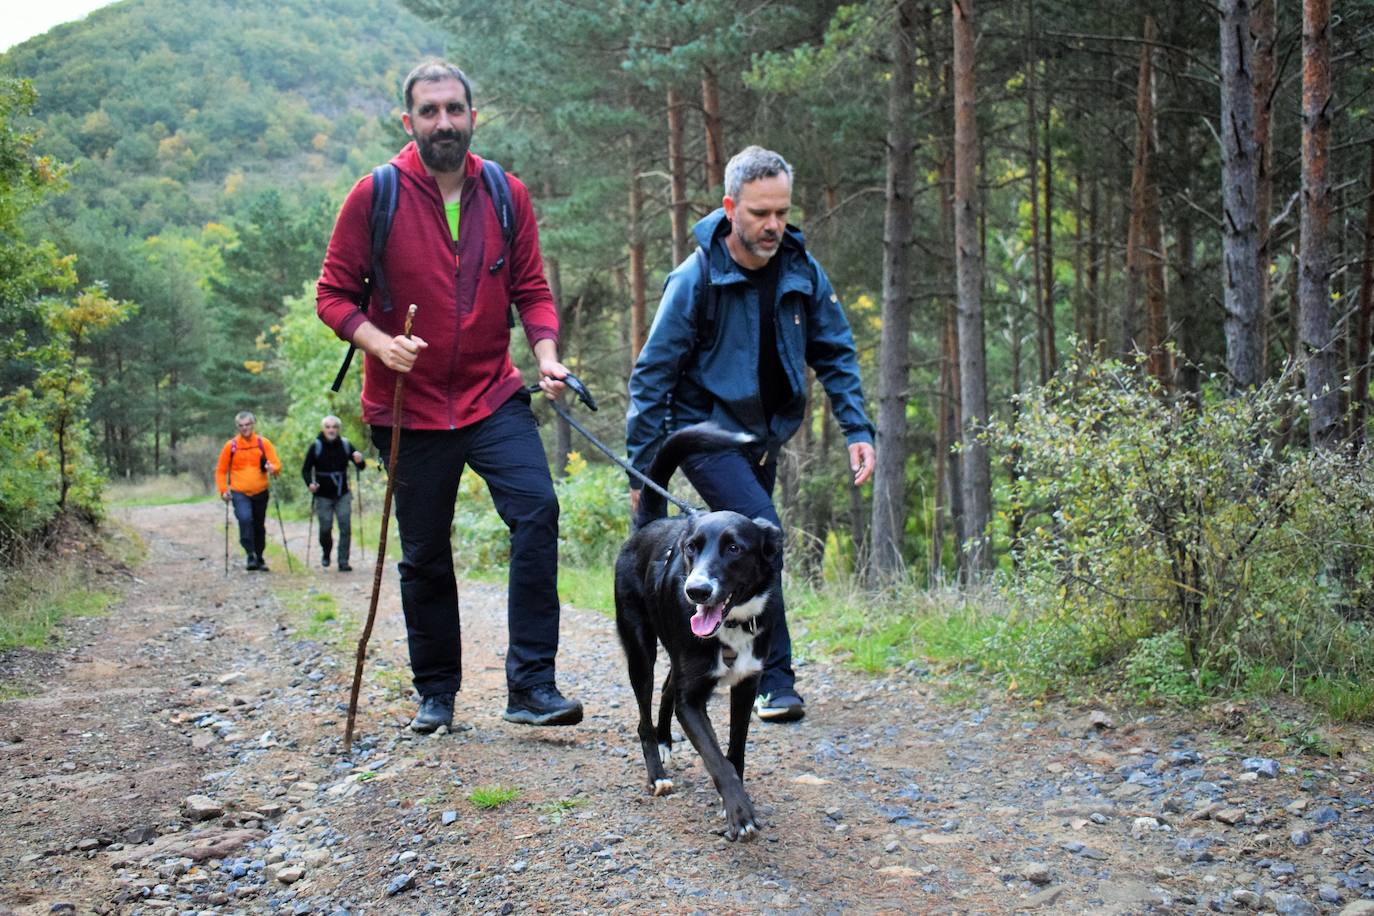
(755, 245)
(444, 156)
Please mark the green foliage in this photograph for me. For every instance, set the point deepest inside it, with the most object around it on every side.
(489, 797)
(1149, 515)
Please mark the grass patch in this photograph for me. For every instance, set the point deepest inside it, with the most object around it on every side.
(489, 797)
(1342, 700)
(592, 589)
(156, 491)
(33, 605)
(317, 614)
(555, 811)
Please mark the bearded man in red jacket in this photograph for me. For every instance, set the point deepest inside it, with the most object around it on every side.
(465, 403)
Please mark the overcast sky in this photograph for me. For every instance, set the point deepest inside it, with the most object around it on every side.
(24, 19)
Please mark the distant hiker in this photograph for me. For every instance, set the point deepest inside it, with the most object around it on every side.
(465, 403)
(741, 320)
(325, 472)
(244, 463)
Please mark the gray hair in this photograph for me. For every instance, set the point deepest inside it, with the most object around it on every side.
(244, 415)
(432, 71)
(328, 418)
(751, 164)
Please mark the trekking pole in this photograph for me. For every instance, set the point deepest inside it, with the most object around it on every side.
(308, 523)
(282, 525)
(362, 531)
(226, 537)
(381, 545)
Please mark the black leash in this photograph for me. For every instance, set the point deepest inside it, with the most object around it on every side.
(585, 396)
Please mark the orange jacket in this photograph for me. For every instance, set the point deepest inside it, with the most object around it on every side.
(240, 465)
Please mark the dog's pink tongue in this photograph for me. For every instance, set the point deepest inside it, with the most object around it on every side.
(706, 619)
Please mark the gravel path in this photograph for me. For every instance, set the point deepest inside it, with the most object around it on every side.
(184, 755)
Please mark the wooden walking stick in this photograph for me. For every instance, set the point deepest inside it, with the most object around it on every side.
(362, 531)
(381, 546)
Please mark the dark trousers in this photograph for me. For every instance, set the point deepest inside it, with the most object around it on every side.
(251, 514)
(729, 481)
(326, 510)
(505, 451)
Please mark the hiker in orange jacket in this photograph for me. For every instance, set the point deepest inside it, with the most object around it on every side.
(244, 463)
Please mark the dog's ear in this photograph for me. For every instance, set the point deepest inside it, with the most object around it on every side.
(770, 540)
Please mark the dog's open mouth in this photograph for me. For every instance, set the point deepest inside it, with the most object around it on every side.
(707, 619)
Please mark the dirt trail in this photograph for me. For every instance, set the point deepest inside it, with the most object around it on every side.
(885, 799)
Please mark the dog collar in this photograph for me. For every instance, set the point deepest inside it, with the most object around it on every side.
(751, 625)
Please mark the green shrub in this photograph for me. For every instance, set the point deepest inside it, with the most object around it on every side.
(1148, 513)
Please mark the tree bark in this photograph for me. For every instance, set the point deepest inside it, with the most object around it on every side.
(638, 330)
(889, 479)
(1364, 323)
(1033, 174)
(1239, 230)
(562, 432)
(1047, 323)
(1144, 247)
(1093, 327)
(1314, 300)
(715, 139)
(1263, 28)
(972, 357)
(677, 176)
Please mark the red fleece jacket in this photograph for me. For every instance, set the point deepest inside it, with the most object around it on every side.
(462, 292)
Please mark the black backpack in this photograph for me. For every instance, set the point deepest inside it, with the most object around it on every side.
(385, 186)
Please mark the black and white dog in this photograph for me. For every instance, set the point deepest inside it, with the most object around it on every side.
(701, 584)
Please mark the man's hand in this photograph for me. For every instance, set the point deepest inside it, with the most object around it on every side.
(314, 487)
(274, 469)
(862, 458)
(224, 496)
(634, 502)
(551, 371)
(396, 353)
(357, 457)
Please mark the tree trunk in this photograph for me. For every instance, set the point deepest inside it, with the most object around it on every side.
(715, 139)
(562, 432)
(972, 357)
(1047, 308)
(677, 177)
(1033, 174)
(1239, 230)
(1364, 325)
(638, 330)
(1092, 326)
(1314, 300)
(1263, 28)
(889, 479)
(1144, 247)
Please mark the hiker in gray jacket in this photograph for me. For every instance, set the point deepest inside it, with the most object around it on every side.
(326, 474)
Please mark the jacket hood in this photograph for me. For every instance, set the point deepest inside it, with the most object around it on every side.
(714, 225)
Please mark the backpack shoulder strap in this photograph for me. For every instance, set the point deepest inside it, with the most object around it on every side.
(317, 448)
(498, 189)
(385, 181)
(707, 303)
(384, 196)
(348, 448)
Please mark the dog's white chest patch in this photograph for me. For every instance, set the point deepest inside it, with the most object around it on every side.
(745, 664)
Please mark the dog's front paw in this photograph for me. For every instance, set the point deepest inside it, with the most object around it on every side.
(662, 787)
(740, 823)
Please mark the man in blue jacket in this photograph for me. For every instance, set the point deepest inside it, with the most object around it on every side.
(739, 323)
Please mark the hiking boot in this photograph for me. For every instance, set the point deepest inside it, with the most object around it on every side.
(542, 705)
(324, 561)
(251, 564)
(262, 564)
(344, 567)
(781, 705)
(435, 710)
